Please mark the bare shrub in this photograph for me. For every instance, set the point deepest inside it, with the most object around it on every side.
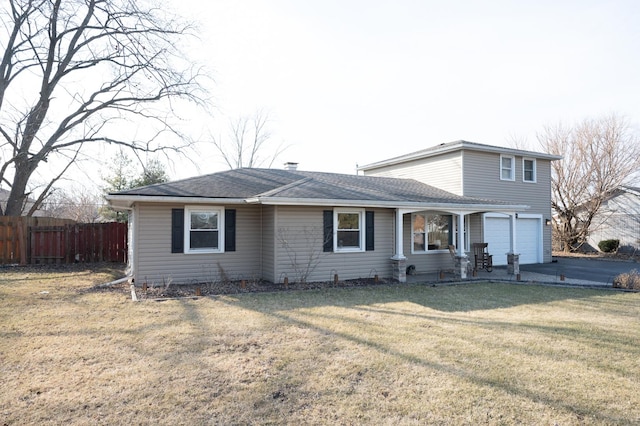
(224, 277)
(303, 248)
(629, 280)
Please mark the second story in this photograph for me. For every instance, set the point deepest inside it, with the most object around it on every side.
(476, 170)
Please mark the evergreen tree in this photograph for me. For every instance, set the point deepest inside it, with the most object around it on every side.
(122, 177)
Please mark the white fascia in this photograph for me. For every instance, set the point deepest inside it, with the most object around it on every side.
(126, 201)
(405, 205)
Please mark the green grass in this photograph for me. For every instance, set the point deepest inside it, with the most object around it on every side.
(397, 354)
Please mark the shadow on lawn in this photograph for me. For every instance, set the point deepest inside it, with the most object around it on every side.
(290, 308)
(445, 298)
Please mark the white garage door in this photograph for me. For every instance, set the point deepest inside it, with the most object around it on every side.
(528, 242)
(496, 233)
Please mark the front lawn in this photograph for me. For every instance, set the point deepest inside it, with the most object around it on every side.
(386, 354)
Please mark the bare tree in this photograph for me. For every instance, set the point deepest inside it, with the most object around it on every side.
(77, 204)
(598, 156)
(246, 142)
(76, 73)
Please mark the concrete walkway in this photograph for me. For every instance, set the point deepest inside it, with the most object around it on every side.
(499, 274)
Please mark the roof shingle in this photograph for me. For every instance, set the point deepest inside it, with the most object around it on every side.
(266, 184)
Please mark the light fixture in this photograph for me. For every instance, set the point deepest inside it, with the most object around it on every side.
(547, 222)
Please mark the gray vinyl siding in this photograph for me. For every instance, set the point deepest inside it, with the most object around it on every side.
(444, 171)
(482, 179)
(475, 225)
(156, 265)
(302, 229)
(476, 174)
(268, 243)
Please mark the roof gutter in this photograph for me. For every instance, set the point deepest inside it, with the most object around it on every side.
(126, 201)
(471, 207)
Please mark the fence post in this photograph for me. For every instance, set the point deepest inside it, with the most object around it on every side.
(22, 243)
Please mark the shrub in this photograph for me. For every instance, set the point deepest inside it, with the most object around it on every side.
(629, 280)
(609, 246)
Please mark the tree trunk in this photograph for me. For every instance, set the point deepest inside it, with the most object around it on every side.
(18, 196)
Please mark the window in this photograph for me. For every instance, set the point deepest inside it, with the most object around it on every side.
(528, 170)
(349, 230)
(203, 230)
(213, 221)
(506, 167)
(419, 233)
(431, 232)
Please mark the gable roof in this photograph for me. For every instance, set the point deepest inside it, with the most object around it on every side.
(459, 145)
(294, 187)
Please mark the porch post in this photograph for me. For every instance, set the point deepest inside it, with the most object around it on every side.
(398, 260)
(460, 242)
(461, 258)
(513, 258)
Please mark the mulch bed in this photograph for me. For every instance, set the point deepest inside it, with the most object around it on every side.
(231, 287)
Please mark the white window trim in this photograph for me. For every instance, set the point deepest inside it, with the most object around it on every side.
(426, 235)
(361, 225)
(187, 229)
(513, 167)
(535, 171)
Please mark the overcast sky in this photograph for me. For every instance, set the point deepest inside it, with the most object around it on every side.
(354, 82)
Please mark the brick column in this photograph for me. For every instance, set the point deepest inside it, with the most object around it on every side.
(461, 263)
(399, 270)
(513, 263)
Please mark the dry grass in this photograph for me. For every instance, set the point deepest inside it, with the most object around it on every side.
(404, 354)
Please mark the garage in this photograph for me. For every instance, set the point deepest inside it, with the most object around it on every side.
(528, 237)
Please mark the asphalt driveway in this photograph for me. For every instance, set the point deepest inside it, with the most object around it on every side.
(599, 270)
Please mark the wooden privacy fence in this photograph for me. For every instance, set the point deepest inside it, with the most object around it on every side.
(37, 240)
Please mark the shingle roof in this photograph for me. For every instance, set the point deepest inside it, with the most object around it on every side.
(239, 183)
(277, 184)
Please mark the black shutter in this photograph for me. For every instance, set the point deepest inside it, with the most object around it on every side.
(369, 231)
(327, 217)
(230, 230)
(177, 230)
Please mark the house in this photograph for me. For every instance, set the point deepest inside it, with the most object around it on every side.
(476, 170)
(274, 224)
(4, 197)
(618, 218)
